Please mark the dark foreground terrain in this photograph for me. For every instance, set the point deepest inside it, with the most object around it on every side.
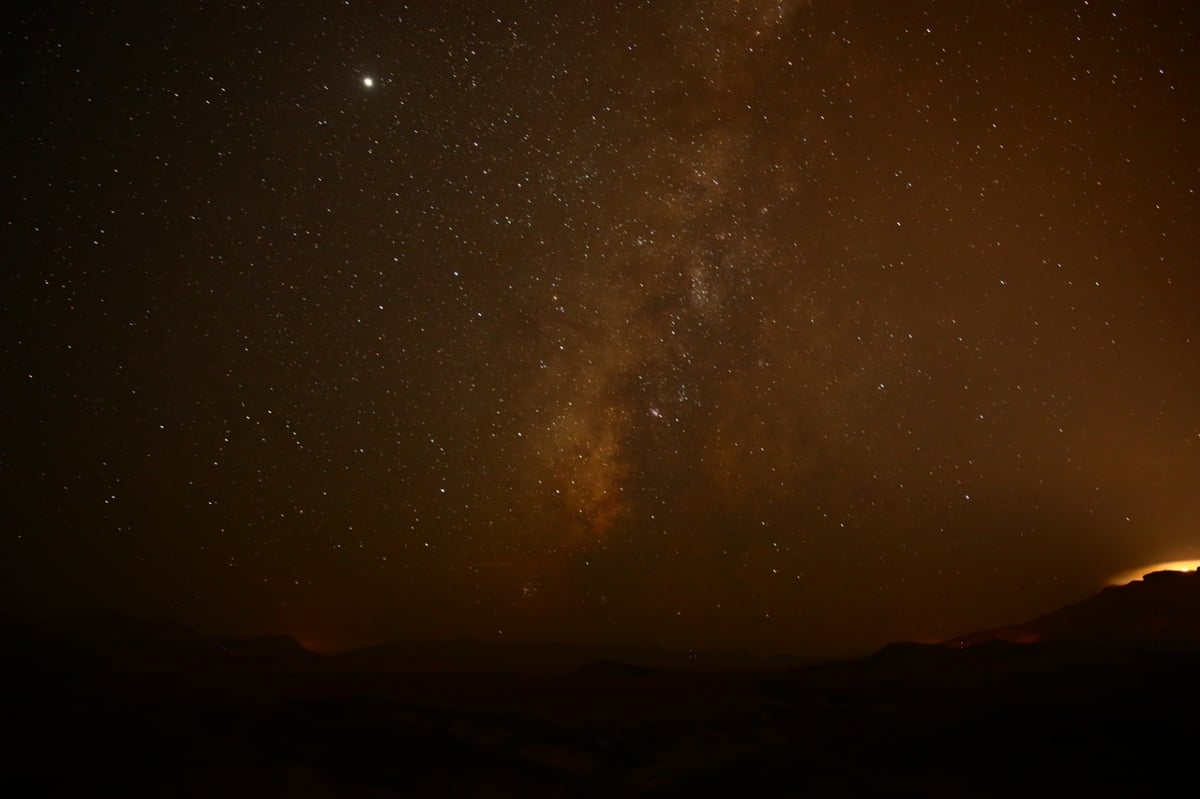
(996, 719)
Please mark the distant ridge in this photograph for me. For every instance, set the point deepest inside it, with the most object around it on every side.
(110, 641)
(1162, 607)
(466, 656)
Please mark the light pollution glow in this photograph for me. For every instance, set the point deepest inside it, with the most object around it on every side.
(1171, 566)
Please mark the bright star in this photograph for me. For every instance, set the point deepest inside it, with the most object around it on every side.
(368, 82)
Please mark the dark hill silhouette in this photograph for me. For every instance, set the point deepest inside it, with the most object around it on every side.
(112, 641)
(1097, 705)
(469, 656)
(1161, 608)
(117, 642)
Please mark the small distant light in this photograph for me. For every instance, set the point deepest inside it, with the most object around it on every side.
(368, 82)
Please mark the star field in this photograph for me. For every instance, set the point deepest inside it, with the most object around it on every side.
(787, 325)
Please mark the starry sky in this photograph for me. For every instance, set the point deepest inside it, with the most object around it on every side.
(792, 325)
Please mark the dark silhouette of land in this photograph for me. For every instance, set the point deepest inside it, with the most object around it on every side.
(1162, 607)
(1103, 699)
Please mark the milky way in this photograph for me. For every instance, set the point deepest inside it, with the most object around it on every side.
(789, 325)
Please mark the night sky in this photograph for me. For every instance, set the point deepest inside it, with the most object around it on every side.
(795, 326)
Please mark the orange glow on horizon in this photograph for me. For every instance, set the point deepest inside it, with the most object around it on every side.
(1137, 574)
